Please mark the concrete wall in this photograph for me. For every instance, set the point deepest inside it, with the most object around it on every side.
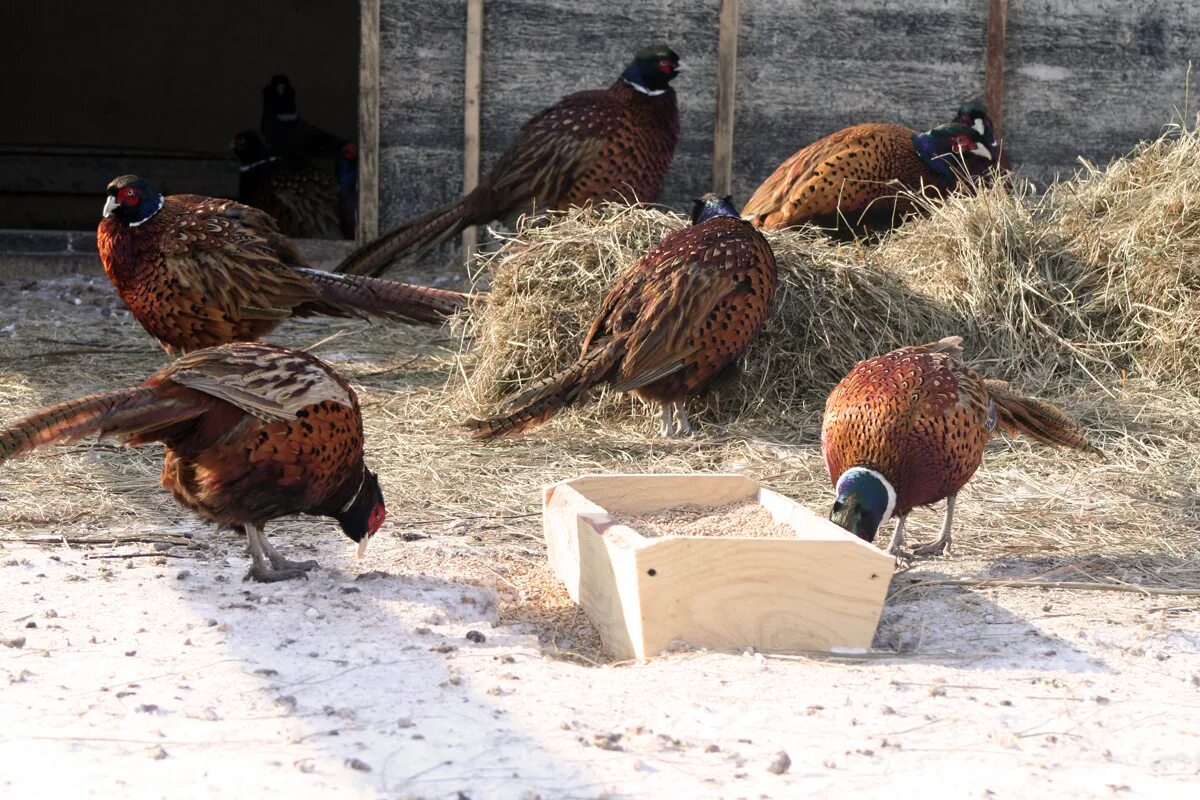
(1084, 77)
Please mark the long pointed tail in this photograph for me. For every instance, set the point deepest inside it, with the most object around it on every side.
(128, 413)
(1037, 419)
(382, 298)
(410, 239)
(542, 401)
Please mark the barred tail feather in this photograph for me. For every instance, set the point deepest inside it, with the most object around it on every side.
(127, 413)
(381, 298)
(410, 239)
(541, 402)
(1037, 419)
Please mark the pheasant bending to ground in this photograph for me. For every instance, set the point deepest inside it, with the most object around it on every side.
(676, 321)
(615, 144)
(252, 433)
(851, 181)
(974, 115)
(200, 271)
(908, 429)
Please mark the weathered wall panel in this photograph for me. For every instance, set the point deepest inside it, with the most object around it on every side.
(1088, 77)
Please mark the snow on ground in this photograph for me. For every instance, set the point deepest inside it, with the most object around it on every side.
(168, 676)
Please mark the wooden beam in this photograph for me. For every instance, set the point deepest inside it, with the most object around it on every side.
(993, 70)
(368, 123)
(726, 87)
(471, 92)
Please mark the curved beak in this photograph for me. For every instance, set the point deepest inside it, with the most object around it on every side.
(978, 126)
(109, 205)
(980, 149)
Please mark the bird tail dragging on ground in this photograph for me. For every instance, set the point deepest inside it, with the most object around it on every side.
(542, 401)
(381, 298)
(1019, 414)
(410, 239)
(131, 414)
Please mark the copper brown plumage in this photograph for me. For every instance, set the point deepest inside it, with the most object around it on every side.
(201, 271)
(908, 428)
(677, 320)
(252, 432)
(615, 144)
(850, 181)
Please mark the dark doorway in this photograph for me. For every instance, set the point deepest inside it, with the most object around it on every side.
(95, 90)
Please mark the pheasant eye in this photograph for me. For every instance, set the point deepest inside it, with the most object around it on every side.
(960, 143)
(665, 66)
(128, 196)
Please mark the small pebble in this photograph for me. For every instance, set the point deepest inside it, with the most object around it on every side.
(158, 753)
(780, 764)
(182, 575)
(16, 642)
(476, 637)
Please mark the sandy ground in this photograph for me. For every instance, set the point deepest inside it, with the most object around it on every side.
(149, 669)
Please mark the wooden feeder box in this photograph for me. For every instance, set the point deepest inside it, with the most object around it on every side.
(821, 592)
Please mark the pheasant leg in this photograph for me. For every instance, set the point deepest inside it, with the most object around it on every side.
(667, 428)
(682, 426)
(281, 563)
(896, 545)
(943, 542)
(261, 569)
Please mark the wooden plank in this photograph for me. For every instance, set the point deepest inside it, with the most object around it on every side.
(471, 90)
(822, 591)
(368, 123)
(722, 181)
(993, 72)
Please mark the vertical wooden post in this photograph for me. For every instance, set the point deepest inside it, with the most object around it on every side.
(993, 69)
(471, 92)
(726, 87)
(368, 123)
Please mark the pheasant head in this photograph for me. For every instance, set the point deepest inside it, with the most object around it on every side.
(974, 115)
(365, 512)
(946, 145)
(652, 69)
(712, 205)
(865, 500)
(132, 200)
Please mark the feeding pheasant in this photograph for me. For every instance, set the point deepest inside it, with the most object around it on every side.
(908, 428)
(302, 198)
(201, 271)
(677, 320)
(252, 433)
(851, 181)
(612, 144)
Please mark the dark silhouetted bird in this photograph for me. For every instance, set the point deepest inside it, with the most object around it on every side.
(674, 322)
(303, 199)
(347, 177)
(286, 132)
(908, 428)
(252, 433)
(613, 144)
(849, 181)
(200, 271)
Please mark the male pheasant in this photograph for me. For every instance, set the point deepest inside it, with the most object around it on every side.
(974, 115)
(908, 429)
(850, 181)
(676, 321)
(302, 198)
(614, 144)
(286, 132)
(201, 271)
(252, 433)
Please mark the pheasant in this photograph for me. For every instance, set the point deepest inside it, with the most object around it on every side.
(908, 429)
(200, 271)
(676, 321)
(287, 134)
(613, 144)
(974, 115)
(850, 181)
(252, 433)
(302, 198)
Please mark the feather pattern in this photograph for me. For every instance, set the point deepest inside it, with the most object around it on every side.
(615, 144)
(674, 322)
(205, 271)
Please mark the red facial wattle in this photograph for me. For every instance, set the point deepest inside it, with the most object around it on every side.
(666, 67)
(960, 144)
(128, 196)
(375, 521)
